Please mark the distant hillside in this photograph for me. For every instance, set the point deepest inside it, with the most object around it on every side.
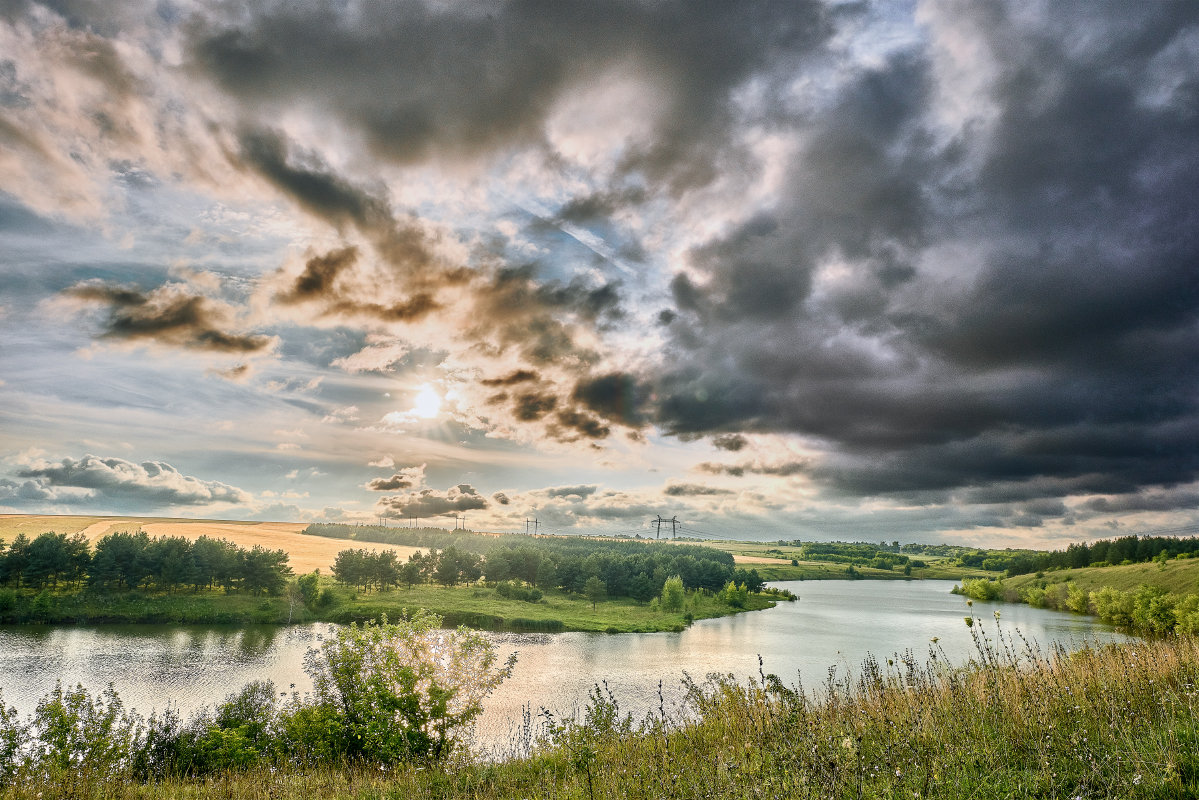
(1178, 576)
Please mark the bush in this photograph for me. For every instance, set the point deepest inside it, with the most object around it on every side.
(980, 589)
(402, 690)
(673, 594)
(77, 737)
(12, 736)
(516, 591)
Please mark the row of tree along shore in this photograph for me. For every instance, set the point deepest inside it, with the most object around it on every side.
(130, 577)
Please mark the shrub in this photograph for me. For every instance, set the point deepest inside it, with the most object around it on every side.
(8, 603)
(673, 594)
(980, 589)
(13, 734)
(1077, 599)
(75, 736)
(516, 591)
(402, 690)
(736, 596)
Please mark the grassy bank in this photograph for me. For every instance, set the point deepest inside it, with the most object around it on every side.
(1179, 576)
(475, 606)
(773, 561)
(1121, 721)
(1158, 597)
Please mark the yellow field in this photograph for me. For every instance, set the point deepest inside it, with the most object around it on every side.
(306, 553)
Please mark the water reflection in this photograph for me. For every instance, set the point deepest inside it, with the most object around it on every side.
(836, 623)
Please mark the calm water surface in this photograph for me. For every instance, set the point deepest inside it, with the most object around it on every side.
(834, 624)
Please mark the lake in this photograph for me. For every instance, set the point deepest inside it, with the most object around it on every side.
(834, 624)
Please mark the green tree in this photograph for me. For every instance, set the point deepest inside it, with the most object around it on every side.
(51, 557)
(673, 594)
(171, 561)
(309, 587)
(403, 690)
(594, 590)
(120, 558)
(16, 560)
(264, 570)
(355, 568)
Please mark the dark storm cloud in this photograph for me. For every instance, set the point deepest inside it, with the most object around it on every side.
(169, 315)
(532, 406)
(599, 206)
(730, 441)
(518, 376)
(431, 503)
(148, 484)
(616, 396)
(515, 311)
(692, 490)
(783, 469)
(420, 81)
(310, 182)
(578, 424)
(1060, 355)
(320, 273)
(583, 490)
(394, 483)
(501, 498)
(305, 177)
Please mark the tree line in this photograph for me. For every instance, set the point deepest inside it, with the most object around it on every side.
(639, 570)
(128, 560)
(1125, 549)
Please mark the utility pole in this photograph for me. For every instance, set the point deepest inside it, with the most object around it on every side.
(536, 523)
(674, 523)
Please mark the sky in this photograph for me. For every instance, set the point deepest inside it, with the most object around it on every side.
(918, 271)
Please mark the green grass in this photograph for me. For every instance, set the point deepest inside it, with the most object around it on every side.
(474, 606)
(781, 569)
(1116, 722)
(1178, 576)
(482, 607)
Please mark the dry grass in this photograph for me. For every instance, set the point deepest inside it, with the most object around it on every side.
(306, 553)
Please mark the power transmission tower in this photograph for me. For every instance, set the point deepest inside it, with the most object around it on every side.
(674, 524)
(536, 523)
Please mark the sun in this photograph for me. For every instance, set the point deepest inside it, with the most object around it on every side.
(427, 403)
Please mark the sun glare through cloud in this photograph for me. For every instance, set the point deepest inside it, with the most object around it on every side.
(427, 403)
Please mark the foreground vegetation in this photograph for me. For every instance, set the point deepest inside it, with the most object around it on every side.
(1118, 721)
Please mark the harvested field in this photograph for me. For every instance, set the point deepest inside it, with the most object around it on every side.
(305, 553)
(740, 559)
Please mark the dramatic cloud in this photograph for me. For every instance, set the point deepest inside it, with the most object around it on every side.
(406, 478)
(692, 490)
(730, 441)
(168, 315)
(927, 266)
(150, 484)
(422, 81)
(428, 503)
(783, 469)
(571, 491)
